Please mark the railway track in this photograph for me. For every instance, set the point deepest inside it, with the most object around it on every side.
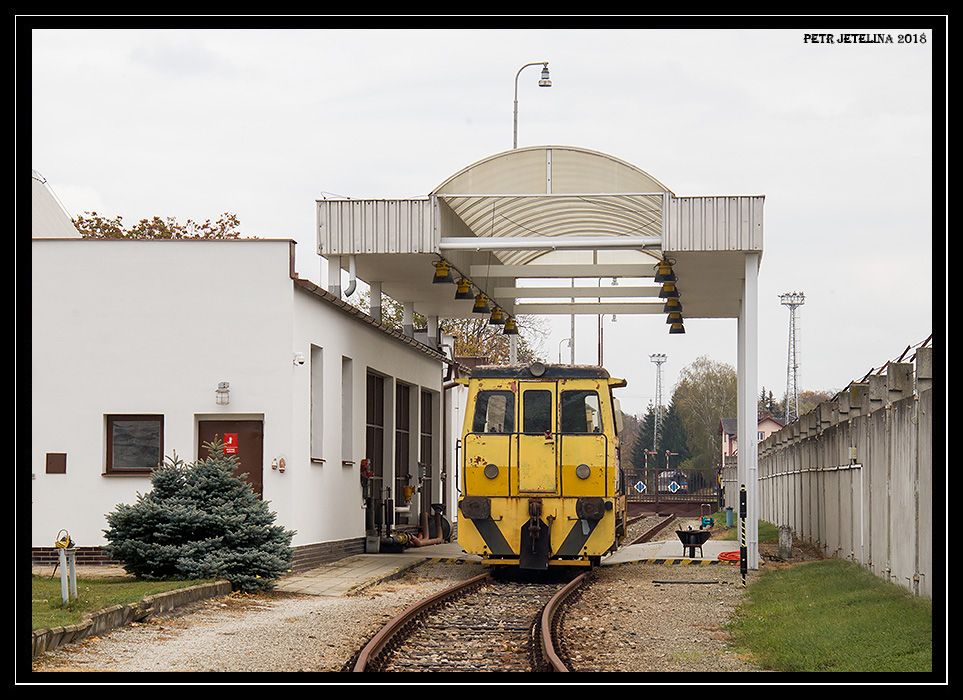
(655, 528)
(478, 625)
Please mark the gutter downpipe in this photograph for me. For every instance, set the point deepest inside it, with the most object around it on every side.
(352, 277)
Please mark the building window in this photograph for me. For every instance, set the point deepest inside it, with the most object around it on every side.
(347, 411)
(317, 403)
(134, 443)
(760, 435)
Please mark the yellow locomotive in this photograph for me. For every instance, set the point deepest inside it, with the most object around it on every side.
(540, 479)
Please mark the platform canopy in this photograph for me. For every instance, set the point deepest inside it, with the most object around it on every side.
(534, 228)
(522, 220)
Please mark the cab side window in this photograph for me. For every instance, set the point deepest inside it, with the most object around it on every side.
(494, 412)
(581, 412)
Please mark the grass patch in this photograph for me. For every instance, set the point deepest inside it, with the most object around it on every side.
(833, 615)
(768, 533)
(93, 594)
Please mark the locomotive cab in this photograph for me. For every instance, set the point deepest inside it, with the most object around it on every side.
(541, 483)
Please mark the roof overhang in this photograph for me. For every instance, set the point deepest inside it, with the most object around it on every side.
(521, 218)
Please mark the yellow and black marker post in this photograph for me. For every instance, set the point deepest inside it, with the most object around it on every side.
(743, 552)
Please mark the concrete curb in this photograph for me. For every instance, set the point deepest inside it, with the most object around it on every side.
(118, 615)
(355, 590)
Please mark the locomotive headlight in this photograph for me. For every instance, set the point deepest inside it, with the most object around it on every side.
(491, 470)
(582, 471)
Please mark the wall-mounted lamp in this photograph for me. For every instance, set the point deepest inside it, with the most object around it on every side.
(299, 358)
(222, 395)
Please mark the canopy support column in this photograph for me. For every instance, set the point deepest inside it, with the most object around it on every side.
(334, 275)
(408, 319)
(375, 298)
(747, 382)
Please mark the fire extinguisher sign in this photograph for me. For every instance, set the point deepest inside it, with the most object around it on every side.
(230, 443)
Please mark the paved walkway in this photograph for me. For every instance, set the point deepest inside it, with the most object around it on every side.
(669, 547)
(339, 577)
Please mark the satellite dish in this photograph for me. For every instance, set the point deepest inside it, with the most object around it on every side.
(537, 369)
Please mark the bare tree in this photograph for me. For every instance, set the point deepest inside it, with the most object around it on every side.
(474, 337)
(92, 225)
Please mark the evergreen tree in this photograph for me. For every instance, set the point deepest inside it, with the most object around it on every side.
(674, 436)
(200, 521)
(644, 440)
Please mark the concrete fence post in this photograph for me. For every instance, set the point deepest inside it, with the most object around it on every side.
(842, 407)
(924, 369)
(899, 381)
(878, 393)
(858, 399)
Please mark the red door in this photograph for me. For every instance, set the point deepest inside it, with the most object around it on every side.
(243, 438)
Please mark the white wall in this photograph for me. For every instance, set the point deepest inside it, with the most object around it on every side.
(133, 327)
(151, 327)
(457, 403)
(327, 497)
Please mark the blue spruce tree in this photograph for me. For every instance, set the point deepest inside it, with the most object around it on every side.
(200, 521)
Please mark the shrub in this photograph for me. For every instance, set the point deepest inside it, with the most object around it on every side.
(200, 521)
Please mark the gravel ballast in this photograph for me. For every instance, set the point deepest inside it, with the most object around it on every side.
(624, 621)
(263, 632)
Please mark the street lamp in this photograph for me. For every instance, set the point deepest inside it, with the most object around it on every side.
(563, 340)
(544, 81)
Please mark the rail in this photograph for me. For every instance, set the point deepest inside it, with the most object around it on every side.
(383, 640)
(549, 623)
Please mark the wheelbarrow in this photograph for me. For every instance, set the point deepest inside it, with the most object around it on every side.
(692, 540)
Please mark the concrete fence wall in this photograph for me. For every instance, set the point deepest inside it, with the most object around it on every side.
(855, 475)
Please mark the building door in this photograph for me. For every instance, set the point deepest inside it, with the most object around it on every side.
(243, 438)
(402, 442)
(374, 445)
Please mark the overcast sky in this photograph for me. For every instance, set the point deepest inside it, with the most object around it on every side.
(261, 123)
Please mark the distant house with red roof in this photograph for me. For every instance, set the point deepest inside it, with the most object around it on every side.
(767, 425)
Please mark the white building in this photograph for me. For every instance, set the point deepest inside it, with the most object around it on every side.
(130, 342)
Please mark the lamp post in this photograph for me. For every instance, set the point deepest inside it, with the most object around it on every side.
(544, 81)
(563, 340)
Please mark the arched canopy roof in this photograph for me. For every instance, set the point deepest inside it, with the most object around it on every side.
(553, 191)
(553, 213)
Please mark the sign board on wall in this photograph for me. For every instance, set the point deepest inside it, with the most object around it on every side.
(230, 443)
